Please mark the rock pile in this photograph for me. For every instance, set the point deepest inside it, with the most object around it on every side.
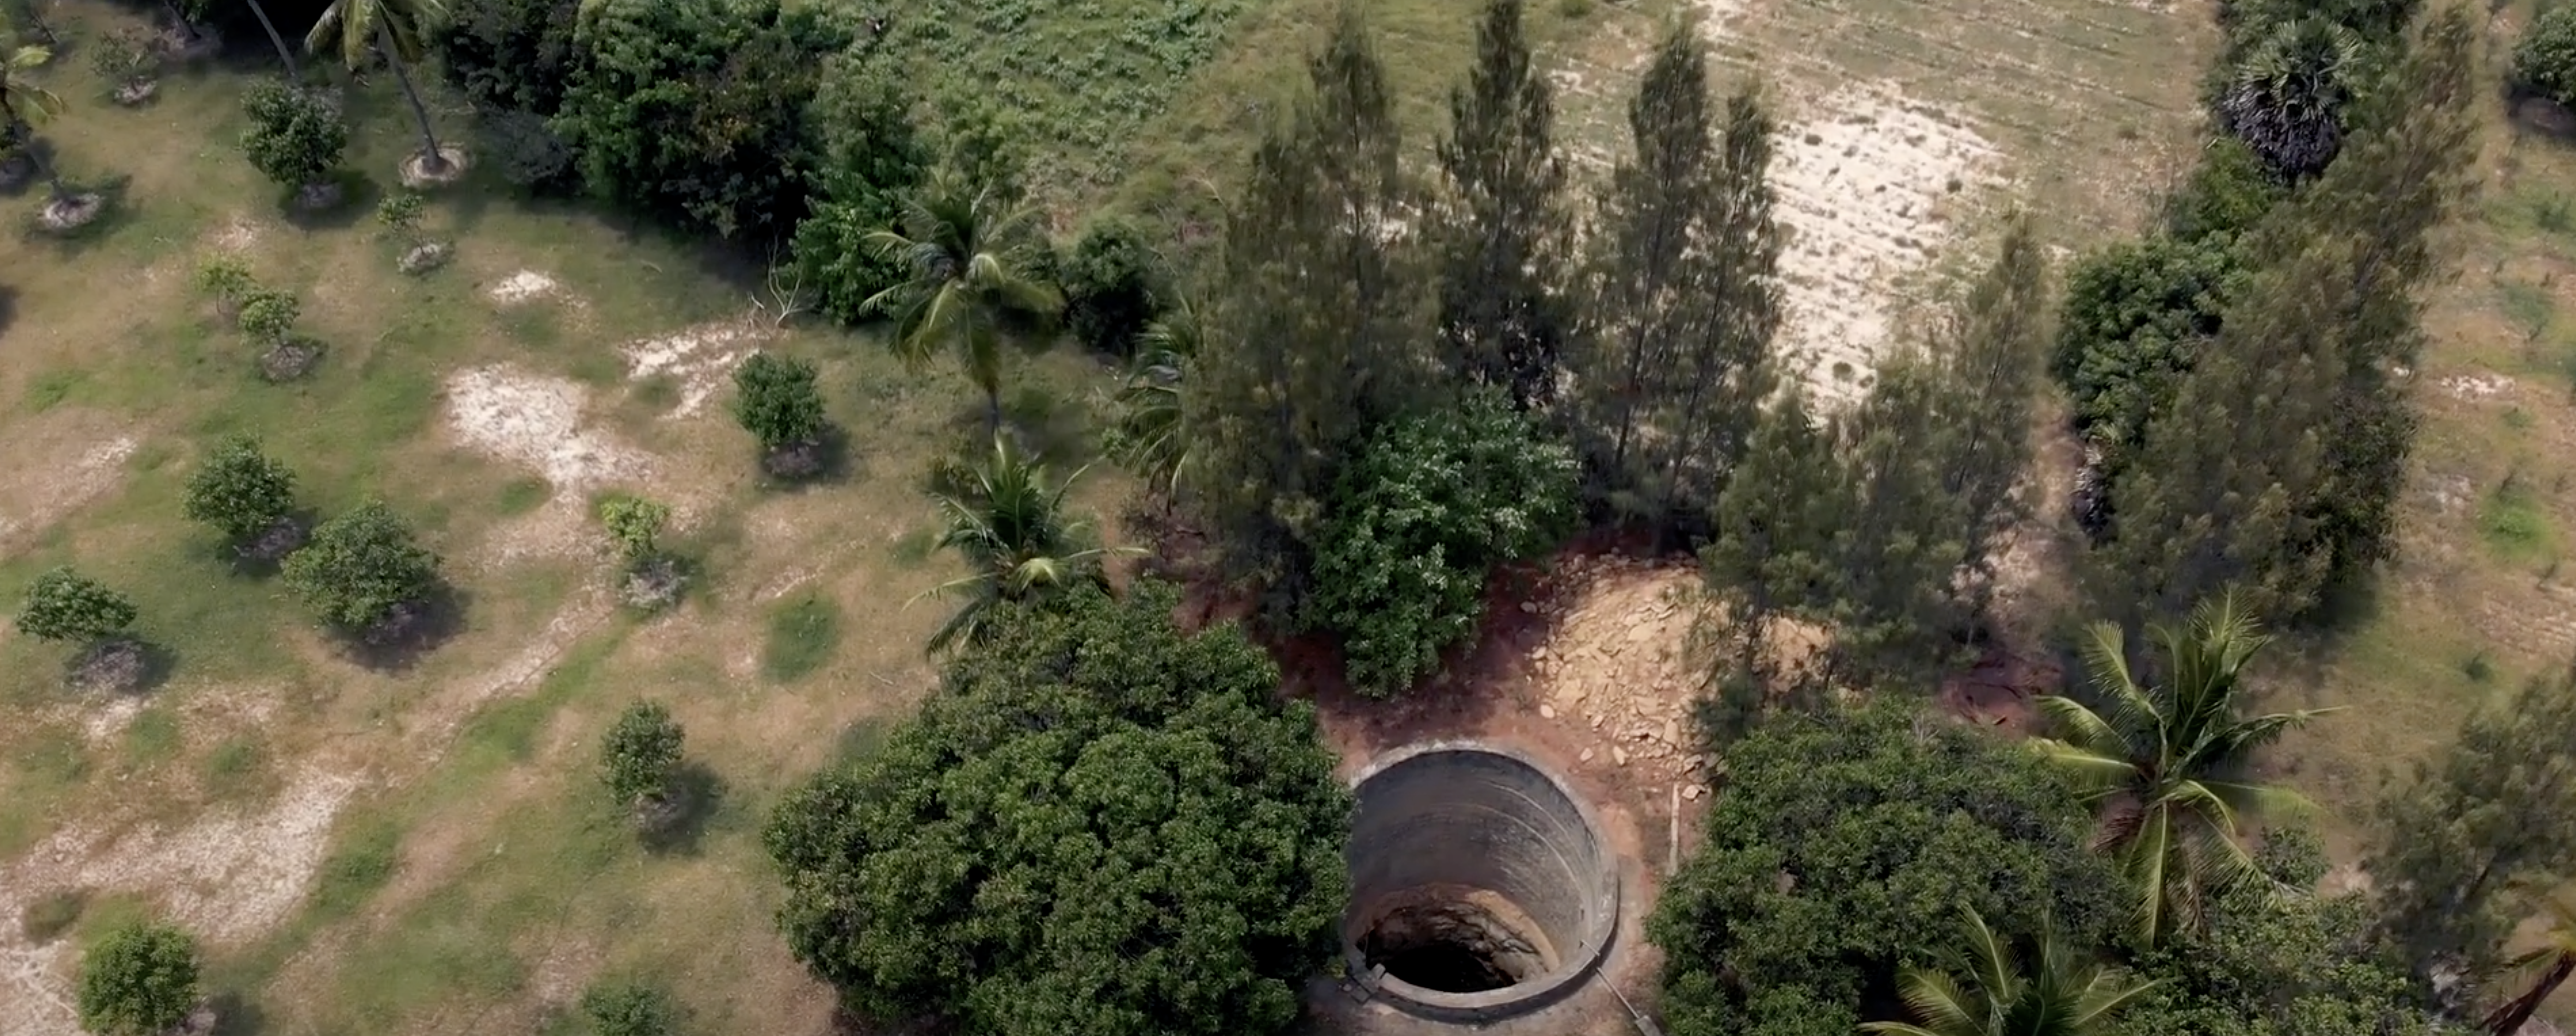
(1617, 661)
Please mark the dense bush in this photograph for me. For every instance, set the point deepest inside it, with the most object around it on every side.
(872, 156)
(508, 55)
(1416, 522)
(629, 1009)
(2544, 60)
(296, 136)
(240, 491)
(635, 526)
(777, 400)
(139, 980)
(640, 753)
(1110, 287)
(1097, 825)
(2133, 315)
(362, 569)
(2227, 193)
(65, 605)
(693, 110)
(1844, 846)
(269, 315)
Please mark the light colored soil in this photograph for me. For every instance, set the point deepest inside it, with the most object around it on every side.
(702, 358)
(536, 420)
(55, 464)
(525, 286)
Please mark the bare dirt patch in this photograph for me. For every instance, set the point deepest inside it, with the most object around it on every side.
(1871, 185)
(54, 466)
(537, 421)
(527, 286)
(700, 358)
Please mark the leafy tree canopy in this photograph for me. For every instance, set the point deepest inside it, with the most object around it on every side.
(139, 980)
(361, 567)
(296, 137)
(241, 491)
(2544, 60)
(1845, 844)
(1419, 519)
(777, 400)
(873, 156)
(640, 752)
(508, 55)
(1098, 825)
(65, 605)
(1111, 286)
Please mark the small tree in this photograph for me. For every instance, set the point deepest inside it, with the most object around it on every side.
(1416, 523)
(629, 1009)
(139, 980)
(777, 400)
(225, 279)
(296, 137)
(362, 569)
(2544, 60)
(268, 315)
(635, 525)
(65, 605)
(640, 754)
(241, 492)
(400, 213)
(125, 60)
(1109, 291)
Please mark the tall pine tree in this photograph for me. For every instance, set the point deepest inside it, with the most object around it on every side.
(1502, 228)
(2495, 809)
(2279, 463)
(1714, 391)
(1319, 325)
(1773, 555)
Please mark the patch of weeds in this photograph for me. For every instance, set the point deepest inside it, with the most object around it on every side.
(361, 864)
(803, 634)
(2529, 307)
(53, 914)
(2517, 419)
(2554, 213)
(2513, 522)
(48, 390)
(660, 392)
(55, 758)
(913, 548)
(522, 495)
(237, 768)
(2477, 668)
(152, 737)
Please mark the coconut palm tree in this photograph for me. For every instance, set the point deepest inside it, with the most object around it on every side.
(1010, 526)
(294, 74)
(2549, 965)
(2287, 97)
(1152, 435)
(24, 105)
(1981, 991)
(2165, 763)
(967, 292)
(395, 28)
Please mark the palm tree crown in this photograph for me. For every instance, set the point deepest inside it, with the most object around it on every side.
(2164, 763)
(399, 29)
(965, 293)
(1152, 435)
(2548, 966)
(2065, 997)
(24, 105)
(2287, 98)
(1011, 528)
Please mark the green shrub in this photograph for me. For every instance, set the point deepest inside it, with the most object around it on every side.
(640, 753)
(224, 279)
(296, 137)
(629, 1009)
(1109, 287)
(124, 57)
(693, 110)
(635, 526)
(361, 569)
(2228, 192)
(1416, 522)
(2544, 60)
(139, 980)
(2133, 314)
(777, 400)
(269, 315)
(67, 606)
(241, 491)
(401, 212)
(507, 55)
(873, 156)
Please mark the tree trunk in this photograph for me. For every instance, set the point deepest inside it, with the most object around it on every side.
(432, 161)
(293, 73)
(2509, 1018)
(993, 409)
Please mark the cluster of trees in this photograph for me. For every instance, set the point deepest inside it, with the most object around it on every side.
(2239, 375)
(2105, 879)
(1097, 824)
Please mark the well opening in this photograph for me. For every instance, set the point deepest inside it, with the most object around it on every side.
(1480, 887)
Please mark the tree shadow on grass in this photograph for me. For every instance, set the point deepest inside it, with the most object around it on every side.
(236, 1015)
(116, 211)
(401, 640)
(359, 194)
(830, 460)
(121, 667)
(697, 794)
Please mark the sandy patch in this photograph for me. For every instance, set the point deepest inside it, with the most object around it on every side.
(236, 236)
(1868, 182)
(701, 358)
(537, 421)
(225, 878)
(525, 286)
(37, 489)
(2477, 386)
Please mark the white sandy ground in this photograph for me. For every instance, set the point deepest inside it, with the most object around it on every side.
(701, 358)
(537, 421)
(525, 286)
(50, 496)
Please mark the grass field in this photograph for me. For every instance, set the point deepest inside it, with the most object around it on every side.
(423, 849)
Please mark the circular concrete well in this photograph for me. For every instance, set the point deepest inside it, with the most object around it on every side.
(1479, 885)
